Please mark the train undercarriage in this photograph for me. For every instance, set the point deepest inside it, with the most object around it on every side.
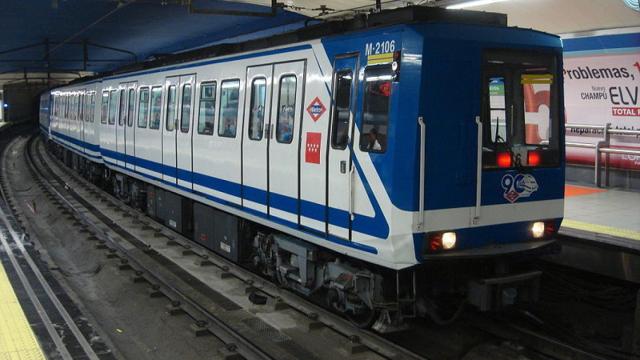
(368, 295)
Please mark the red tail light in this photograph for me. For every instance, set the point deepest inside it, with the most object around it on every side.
(533, 158)
(549, 228)
(504, 159)
(435, 241)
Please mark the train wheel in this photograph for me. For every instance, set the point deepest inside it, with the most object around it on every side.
(365, 319)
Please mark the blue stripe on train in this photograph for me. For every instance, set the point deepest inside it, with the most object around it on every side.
(376, 226)
(334, 239)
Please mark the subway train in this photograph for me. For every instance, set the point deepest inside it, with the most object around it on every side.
(400, 164)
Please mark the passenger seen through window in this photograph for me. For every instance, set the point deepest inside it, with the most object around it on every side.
(143, 108)
(156, 107)
(258, 99)
(286, 109)
(229, 94)
(207, 111)
(375, 115)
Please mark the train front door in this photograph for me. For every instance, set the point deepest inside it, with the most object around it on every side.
(340, 166)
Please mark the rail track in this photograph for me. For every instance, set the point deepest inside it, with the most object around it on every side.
(172, 267)
(64, 332)
(213, 292)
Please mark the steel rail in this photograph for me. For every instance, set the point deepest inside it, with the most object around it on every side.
(50, 294)
(230, 337)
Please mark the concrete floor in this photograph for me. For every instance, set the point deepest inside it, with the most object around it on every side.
(617, 211)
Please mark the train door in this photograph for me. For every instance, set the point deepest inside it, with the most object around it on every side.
(255, 139)
(81, 120)
(340, 168)
(120, 125)
(129, 128)
(169, 170)
(183, 131)
(283, 139)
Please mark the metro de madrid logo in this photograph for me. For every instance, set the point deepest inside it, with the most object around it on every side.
(316, 108)
(518, 186)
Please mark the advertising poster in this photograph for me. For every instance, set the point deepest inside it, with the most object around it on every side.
(602, 85)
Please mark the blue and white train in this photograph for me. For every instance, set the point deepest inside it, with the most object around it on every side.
(401, 163)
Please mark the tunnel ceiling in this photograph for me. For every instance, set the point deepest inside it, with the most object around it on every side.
(98, 35)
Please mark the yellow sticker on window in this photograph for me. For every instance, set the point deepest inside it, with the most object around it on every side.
(536, 79)
(380, 58)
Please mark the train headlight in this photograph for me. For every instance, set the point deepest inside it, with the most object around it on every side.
(448, 240)
(441, 241)
(537, 229)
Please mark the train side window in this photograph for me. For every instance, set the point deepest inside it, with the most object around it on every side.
(92, 108)
(229, 97)
(156, 107)
(104, 107)
(132, 107)
(185, 115)
(342, 110)
(286, 109)
(207, 111)
(113, 106)
(123, 107)
(375, 114)
(170, 120)
(256, 115)
(143, 108)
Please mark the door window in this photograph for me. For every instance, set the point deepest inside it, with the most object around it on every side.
(104, 107)
(341, 109)
(185, 115)
(286, 109)
(123, 108)
(170, 120)
(258, 99)
(113, 107)
(143, 108)
(92, 107)
(156, 107)
(132, 107)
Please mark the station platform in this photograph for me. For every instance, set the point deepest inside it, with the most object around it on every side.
(605, 215)
(17, 339)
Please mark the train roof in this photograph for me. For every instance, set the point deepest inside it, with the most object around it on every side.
(406, 15)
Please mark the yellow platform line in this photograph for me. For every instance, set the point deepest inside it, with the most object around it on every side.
(601, 229)
(17, 340)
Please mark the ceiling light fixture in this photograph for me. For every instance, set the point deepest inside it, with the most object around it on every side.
(472, 3)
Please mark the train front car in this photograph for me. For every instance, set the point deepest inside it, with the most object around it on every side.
(490, 160)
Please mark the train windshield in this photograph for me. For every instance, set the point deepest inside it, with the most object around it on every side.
(520, 110)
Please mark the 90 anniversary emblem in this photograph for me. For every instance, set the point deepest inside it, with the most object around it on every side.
(518, 186)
